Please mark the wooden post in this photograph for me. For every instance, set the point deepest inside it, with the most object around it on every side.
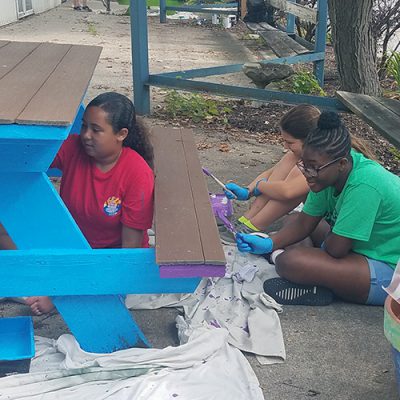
(163, 11)
(140, 56)
(290, 21)
(320, 39)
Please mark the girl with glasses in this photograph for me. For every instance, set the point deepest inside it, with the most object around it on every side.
(351, 218)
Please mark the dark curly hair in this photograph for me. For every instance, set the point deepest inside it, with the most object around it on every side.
(332, 137)
(121, 114)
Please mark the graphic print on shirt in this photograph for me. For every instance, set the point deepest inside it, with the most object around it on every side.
(331, 217)
(112, 206)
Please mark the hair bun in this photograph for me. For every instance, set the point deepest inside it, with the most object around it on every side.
(329, 120)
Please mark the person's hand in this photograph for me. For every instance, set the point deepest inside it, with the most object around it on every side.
(256, 191)
(240, 192)
(254, 243)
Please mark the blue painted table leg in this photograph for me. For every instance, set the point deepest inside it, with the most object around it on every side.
(36, 218)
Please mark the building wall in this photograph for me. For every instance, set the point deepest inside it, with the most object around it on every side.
(8, 9)
(44, 5)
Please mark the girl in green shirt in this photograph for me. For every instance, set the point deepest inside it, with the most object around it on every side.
(346, 241)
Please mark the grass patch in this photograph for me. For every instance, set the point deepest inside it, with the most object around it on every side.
(92, 28)
(195, 107)
(156, 3)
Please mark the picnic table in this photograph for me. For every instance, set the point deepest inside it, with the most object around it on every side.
(42, 86)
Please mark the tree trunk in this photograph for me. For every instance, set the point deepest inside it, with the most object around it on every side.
(354, 45)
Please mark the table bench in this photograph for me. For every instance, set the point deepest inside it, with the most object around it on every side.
(42, 86)
(381, 113)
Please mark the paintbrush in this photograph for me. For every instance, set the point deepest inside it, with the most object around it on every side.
(208, 173)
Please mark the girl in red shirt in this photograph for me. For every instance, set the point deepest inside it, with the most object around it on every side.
(107, 182)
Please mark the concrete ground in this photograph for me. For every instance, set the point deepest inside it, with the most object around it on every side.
(334, 352)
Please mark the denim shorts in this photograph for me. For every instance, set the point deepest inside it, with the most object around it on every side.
(381, 275)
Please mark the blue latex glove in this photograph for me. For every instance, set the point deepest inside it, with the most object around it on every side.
(256, 191)
(241, 193)
(253, 243)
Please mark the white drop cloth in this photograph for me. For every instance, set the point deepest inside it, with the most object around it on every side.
(235, 302)
(205, 368)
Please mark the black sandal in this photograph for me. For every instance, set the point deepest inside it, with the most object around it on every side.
(289, 293)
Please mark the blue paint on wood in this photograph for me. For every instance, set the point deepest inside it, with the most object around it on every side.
(100, 323)
(247, 93)
(163, 11)
(320, 39)
(33, 132)
(140, 57)
(290, 21)
(89, 272)
(76, 126)
(27, 155)
(34, 215)
(36, 218)
(225, 69)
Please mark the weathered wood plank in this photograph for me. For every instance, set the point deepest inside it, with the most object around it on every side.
(52, 106)
(391, 104)
(385, 121)
(177, 234)
(304, 13)
(280, 42)
(276, 40)
(13, 53)
(26, 79)
(210, 240)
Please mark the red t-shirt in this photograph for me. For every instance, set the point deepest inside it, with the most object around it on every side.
(101, 202)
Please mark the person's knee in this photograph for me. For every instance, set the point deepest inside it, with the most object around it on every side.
(287, 263)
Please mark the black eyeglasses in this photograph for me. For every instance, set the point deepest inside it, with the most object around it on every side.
(313, 172)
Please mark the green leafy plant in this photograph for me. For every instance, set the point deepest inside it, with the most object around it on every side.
(194, 106)
(393, 67)
(303, 82)
(395, 152)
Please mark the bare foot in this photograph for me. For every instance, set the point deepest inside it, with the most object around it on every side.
(39, 304)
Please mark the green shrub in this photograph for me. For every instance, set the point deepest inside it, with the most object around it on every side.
(302, 82)
(193, 106)
(393, 67)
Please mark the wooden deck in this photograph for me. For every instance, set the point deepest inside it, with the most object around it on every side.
(43, 83)
(381, 113)
(186, 231)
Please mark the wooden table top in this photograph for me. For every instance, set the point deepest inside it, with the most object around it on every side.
(44, 83)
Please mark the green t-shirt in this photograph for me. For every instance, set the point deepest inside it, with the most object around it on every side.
(367, 210)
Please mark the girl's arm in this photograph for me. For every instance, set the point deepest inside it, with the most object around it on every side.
(288, 189)
(131, 238)
(6, 242)
(282, 167)
(337, 246)
(294, 232)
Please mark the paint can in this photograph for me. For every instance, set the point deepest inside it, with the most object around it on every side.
(233, 19)
(215, 19)
(226, 22)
